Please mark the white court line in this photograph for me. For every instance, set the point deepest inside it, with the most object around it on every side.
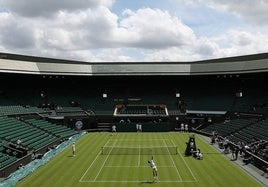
(91, 164)
(139, 156)
(173, 162)
(103, 163)
(89, 167)
(136, 166)
(124, 140)
(128, 181)
(183, 159)
(136, 181)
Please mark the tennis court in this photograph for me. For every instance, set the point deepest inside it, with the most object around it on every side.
(130, 156)
(103, 159)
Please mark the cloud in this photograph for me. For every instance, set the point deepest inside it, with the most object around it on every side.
(114, 55)
(90, 31)
(15, 33)
(205, 47)
(75, 31)
(154, 28)
(254, 12)
(33, 8)
(237, 42)
(231, 43)
(100, 28)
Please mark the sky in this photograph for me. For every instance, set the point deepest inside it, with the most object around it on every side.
(134, 30)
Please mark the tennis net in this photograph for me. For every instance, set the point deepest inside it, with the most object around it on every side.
(152, 150)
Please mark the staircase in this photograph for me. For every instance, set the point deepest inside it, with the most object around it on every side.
(104, 127)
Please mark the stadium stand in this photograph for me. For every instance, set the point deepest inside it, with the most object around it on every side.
(228, 128)
(61, 104)
(57, 130)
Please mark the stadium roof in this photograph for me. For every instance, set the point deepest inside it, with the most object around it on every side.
(14, 63)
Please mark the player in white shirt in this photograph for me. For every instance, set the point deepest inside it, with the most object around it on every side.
(186, 127)
(153, 166)
(182, 127)
(73, 148)
(113, 129)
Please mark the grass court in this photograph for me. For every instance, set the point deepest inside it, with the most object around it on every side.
(129, 167)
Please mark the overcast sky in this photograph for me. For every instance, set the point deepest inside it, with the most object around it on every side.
(134, 30)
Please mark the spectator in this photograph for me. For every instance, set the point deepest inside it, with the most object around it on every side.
(232, 148)
(236, 152)
(213, 139)
(226, 145)
(19, 141)
(266, 154)
(265, 170)
(248, 159)
(20, 166)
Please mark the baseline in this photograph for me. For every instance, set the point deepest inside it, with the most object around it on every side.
(136, 181)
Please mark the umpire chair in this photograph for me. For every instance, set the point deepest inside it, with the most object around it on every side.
(191, 146)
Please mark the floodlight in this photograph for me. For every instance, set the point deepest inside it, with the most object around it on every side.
(239, 94)
(104, 95)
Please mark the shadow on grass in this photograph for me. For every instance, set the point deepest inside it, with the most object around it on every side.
(70, 156)
(147, 182)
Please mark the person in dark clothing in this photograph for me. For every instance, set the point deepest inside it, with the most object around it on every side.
(236, 152)
(265, 170)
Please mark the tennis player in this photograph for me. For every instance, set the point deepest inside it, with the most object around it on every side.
(113, 129)
(73, 149)
(153, 166)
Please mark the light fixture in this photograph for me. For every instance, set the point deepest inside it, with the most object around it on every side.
(104, 95)
(239, 94)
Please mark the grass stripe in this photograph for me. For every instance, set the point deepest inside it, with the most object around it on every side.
(90, 168)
